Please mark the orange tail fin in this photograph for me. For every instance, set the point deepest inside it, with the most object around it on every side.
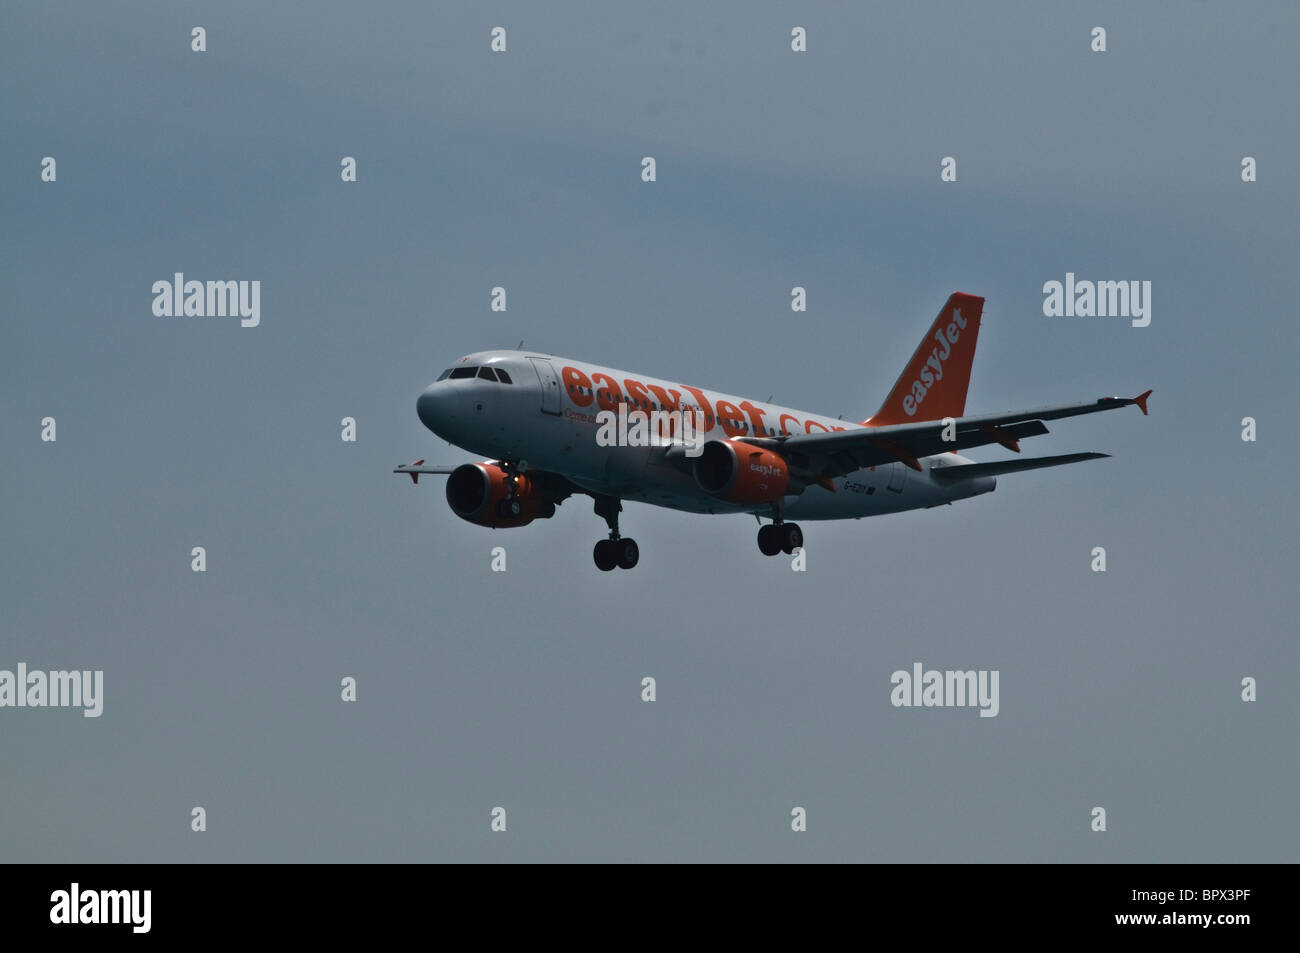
(933, 385)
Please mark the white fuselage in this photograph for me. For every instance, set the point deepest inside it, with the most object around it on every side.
(547, 418)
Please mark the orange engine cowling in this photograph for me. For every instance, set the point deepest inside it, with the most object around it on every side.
(740, 473)
(479, 493)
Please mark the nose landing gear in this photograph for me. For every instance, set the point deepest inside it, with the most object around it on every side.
(510, 507)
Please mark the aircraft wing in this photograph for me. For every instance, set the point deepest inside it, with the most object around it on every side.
(415, 469)
(841, 452)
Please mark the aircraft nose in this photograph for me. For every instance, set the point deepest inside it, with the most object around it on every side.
(432, 407)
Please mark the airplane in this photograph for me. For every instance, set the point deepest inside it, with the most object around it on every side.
(538, 419)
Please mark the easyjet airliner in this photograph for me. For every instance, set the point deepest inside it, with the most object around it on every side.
(545, 425)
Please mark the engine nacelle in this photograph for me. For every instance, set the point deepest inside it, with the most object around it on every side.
(741, 473)
(478, 492)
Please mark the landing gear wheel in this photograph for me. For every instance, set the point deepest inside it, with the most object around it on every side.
(605, 556)
(769, 539)
(627, 551)
(507, 509)
(614, 551)
(791, 537)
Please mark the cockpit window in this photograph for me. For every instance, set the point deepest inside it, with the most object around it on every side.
(487, 374)
(445, 374)
(503, 376)
(459, 373)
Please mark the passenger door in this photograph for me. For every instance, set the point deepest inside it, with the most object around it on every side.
(550, 382)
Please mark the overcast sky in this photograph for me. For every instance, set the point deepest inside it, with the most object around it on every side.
(523, 689)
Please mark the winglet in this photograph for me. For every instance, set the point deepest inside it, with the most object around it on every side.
(1141, 401)
(415, 477)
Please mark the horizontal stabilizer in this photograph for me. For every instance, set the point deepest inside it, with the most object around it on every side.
(968, 471)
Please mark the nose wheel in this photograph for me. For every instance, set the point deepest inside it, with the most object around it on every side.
(779, 538)
(617, 550)
(511, 507)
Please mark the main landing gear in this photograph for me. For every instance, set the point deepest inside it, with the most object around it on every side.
(615, 551)
(779, 537)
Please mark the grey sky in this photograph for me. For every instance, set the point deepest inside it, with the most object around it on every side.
(521, 689)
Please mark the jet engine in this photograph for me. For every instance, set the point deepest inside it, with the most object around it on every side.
(480, 493)
(740, 473)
